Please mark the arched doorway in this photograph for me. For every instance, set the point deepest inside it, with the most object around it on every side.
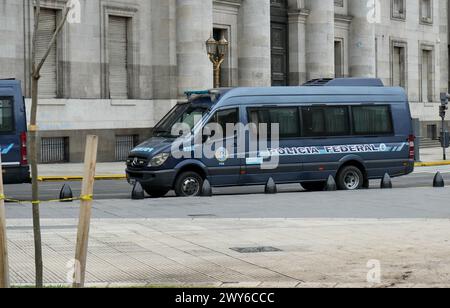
(279, 42)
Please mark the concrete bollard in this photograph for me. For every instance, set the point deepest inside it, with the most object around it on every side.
(438, 181)
(331, 184)
(138, 192)
(206, 189)
(271, 187)
(66, 193)
(386, 183)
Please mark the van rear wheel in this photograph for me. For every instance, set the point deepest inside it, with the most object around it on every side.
(350, 178)
(189, 184)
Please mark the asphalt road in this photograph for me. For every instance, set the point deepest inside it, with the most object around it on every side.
(423, 177)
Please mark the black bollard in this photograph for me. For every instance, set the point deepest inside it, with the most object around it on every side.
(206, 189)
(138, 192)
(386, 183)
(331, 184)
(438, 181)
(271, 187)
(366, 184)
(66, 193)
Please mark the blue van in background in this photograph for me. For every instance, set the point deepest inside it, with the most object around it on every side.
(353, 129)
(13, 133)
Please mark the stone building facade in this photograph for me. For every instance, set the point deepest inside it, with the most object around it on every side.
(127, 62)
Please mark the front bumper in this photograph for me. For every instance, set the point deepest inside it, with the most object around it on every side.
(156, 179)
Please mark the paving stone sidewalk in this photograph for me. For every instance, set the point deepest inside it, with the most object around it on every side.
(196, 252)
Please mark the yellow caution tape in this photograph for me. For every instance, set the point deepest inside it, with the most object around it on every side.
(87, 198)
(37, 202)
(32, 128)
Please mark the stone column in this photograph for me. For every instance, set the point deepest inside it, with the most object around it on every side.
(444, 19)
(320, 39)
(297, 41)
(254, 44)
(194, 27)
(362, 55)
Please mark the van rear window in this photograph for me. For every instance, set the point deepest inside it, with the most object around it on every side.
(372, 120)
(6, 114)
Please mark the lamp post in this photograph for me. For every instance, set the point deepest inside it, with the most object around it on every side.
(445, 137)
(216, 53)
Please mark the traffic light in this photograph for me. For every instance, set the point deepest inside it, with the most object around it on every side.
(443, 111)
(444, 105)
(445, 135)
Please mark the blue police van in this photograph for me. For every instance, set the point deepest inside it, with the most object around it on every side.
(13, 133)
(353, 129)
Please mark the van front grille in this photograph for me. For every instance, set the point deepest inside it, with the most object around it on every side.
(136, 162)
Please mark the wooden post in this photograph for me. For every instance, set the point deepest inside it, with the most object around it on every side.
(4, 267)
(87, 191)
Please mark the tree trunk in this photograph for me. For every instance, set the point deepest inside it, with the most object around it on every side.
(32, 136)
(35, 187)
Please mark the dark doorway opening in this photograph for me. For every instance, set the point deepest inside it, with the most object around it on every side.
(279, 42)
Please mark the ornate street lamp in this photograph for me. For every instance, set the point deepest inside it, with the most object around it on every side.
(216, 53)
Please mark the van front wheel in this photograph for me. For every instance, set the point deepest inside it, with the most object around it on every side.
(188, 184)
(350, 178)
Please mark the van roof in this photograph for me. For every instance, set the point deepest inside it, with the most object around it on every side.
(9, 82)
(396, 93)
(345, 82)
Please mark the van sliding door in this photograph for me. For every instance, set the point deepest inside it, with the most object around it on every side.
(323, 127)
(274, 135)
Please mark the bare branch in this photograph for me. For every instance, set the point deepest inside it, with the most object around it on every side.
(37, 15)
(54, 38)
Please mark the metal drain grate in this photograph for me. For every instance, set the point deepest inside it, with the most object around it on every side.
(202, 216)
(255, 249)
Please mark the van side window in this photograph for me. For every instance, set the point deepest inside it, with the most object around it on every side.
(224, 117)
(287, 119)
(325, 121)
(372, 120)
(192, 116)
(6, 114)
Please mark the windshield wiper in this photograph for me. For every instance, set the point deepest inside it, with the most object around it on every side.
(159, 131)
(163, 133)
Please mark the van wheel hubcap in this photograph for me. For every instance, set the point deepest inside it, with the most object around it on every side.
(191, 186)
(351, 180)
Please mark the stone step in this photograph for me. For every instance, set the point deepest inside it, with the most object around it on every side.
(429, 143)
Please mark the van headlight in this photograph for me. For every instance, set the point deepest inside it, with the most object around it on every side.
(159, 160)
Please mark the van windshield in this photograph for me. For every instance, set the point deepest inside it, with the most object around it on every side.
(6, 114)
(181, 114)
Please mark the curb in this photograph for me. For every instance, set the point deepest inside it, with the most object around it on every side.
(433, 164)
(80, 178)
